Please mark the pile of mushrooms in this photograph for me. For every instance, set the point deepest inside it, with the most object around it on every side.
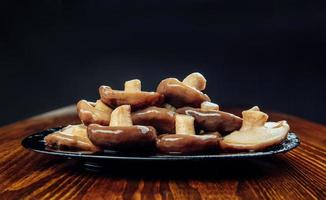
(121, 134)
(179, 118)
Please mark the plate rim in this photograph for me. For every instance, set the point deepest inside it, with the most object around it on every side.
(69, 154)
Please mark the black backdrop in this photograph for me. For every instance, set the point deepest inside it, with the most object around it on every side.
(267, 53)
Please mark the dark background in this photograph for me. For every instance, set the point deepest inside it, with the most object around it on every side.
(267, 53)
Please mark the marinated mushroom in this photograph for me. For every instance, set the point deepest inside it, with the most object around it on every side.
(132, 95)
(185, 141)
(185, 93)
(256, 133)
(195, 80)
(207, 106)
(71, 137)
(209, 118)
(162, 119)
(93, 113)
(179, 110)
(121, 134)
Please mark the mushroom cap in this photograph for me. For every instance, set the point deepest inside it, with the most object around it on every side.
(139, 138)
(255, 133)
(179, 94)
(88, 114)
(196, 80)
(187, 144)
(136, 100)
(213, 120)
(71, 137)
(162, 119)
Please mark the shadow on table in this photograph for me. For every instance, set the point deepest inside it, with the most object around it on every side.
(230, 169)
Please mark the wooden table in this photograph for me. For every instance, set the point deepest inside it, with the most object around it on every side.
(299, 174)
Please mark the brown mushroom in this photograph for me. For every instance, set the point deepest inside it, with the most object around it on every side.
(185, 93)
(71, 137)
(255, 133)
(121, 134)
(132, 95)
(209, 118)
(187, 144)
(93, 113)
(185, 141)
(162, 119)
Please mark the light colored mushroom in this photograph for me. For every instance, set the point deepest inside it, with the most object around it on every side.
(131, 95)
(99, 105)
(121, 116)
(186, 93)
(207, 106)
(196, 80)
(93, 113)
(184, 124)
(133, 85)
(71, 137)
(255, 133)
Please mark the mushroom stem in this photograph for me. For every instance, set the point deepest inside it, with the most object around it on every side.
(253, 118)
(184, 124)
(90, 113)
(99, 105)
(195, 80)
(121, 116)
(207, 106)
(133, 85)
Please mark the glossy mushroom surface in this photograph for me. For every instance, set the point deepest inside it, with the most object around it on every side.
(185, 141)
(93, 113)
(122, 135)
(195, 80)
(71, 137)
(179, 94)
(122, 138)
(213, 120)
(255, 134)
(187, 144)
(162, 119)
(135, 98)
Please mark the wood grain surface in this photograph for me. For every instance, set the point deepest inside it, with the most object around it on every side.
(299, 174)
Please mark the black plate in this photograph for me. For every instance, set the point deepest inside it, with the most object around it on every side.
(36, 143)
